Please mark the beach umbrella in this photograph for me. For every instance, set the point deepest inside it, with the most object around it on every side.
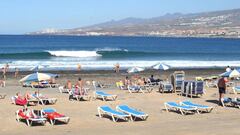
(161, 66)
(135, 69)
(232, 73)
(37, 68)
(37, 77)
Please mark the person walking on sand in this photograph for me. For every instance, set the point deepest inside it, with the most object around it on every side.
(4, 73)
(117, 68)
(79, 67)
(222, 89)
(16, 72)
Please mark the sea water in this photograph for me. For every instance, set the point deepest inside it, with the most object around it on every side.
(102, 52)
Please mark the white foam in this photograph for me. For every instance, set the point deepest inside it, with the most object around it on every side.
(81, 54)
(109, 49)
(108, 65)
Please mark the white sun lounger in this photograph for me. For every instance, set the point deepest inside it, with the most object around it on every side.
(30, 117)
(63, 90)
(182, 108)
(133, 112)
(115, 115)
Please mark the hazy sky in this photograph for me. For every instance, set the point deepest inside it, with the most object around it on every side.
(21, 16)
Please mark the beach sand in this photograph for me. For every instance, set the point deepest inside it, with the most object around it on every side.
(85, 120)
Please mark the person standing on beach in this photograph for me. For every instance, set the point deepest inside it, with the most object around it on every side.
(222, 89)
(117, 68)
(79, 67)
(79, 85)
(6, 67)
(16, 72)
(4, 73)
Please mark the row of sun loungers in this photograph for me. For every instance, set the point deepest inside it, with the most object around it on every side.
(34, 100)
(187, 107)
(142, 89)
(30, 116)
(123, 112)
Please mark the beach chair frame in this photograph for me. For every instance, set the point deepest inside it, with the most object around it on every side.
(30, 120)
(133, 116)
(104, 97)
(114, 117)
(199, 107)
(180, 109)
(64, 119)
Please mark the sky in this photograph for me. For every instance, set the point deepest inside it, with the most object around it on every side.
(22, 16)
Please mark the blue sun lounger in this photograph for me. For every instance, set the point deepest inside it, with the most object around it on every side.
(133, 112)
(182, 108)
(236, 89)
(104, 96)
(198, 106)
(112, 113)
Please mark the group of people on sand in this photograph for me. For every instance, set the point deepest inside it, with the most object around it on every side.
(135, 81)
(6, 68)
(23, 99)
(78, 87)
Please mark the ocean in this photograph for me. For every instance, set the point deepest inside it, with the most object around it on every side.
(102, 52)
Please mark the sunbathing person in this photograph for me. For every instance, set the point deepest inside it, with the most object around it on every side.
(68, 85)
(21, 100)
(153, 80)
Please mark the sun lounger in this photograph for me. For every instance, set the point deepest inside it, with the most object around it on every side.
(52, 115)
(79, 97)
(45, 100)
(198, 106)
(165, 86)
(104, 96)
(29, 116)
(182, 108)
(112, 113)
(236, 89)
(132, 112)
(22, 102)
(234, 102)
(63, 90)
(137, 88)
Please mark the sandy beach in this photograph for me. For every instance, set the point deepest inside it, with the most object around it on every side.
(85, 120)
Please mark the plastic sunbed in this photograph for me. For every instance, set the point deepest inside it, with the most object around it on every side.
(133, 112)
(63, 90)
(78, 97)
(22, 102)
(198, 106)
(236, 102)
(54, 116)
(29, 116)
(236, 89)
(104, 96)
(45, 100)
(182, 108)
(116, 115)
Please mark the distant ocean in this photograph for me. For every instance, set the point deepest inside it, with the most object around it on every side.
(102, 52)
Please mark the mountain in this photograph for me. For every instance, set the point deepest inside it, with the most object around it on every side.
(218, 23)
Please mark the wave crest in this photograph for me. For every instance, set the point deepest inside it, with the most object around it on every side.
(109, 49)
(81, 54)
